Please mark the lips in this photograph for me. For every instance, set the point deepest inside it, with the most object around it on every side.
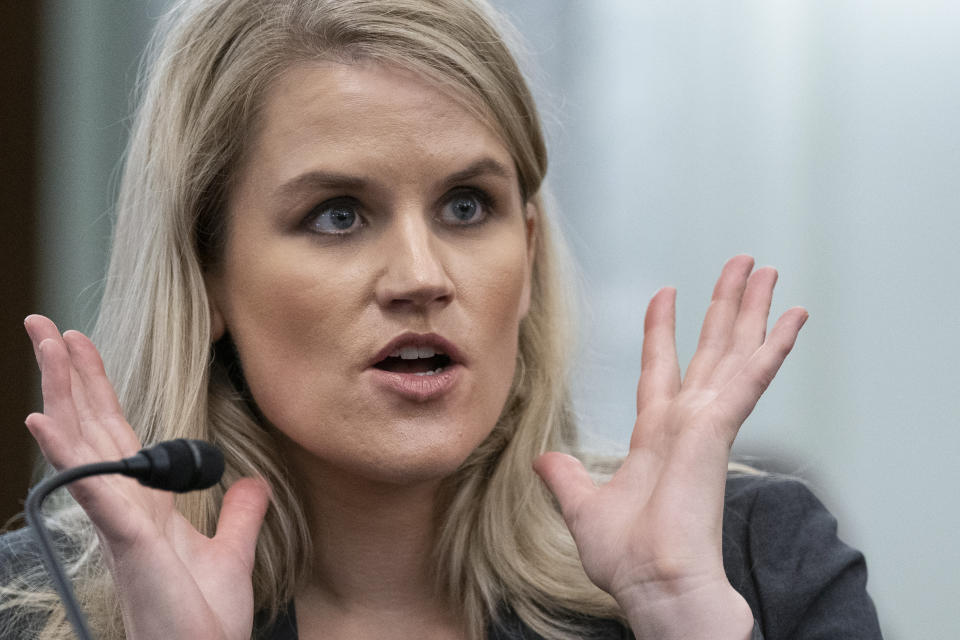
(417, 367)
(419, 364)
(402, 352)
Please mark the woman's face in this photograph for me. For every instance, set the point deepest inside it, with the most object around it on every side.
(376, 270)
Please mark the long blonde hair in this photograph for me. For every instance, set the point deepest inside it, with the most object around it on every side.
(502, 542)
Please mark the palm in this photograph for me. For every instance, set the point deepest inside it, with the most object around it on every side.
(172, 580)
(657, 524)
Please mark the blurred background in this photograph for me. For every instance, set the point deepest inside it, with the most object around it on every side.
(820, 136)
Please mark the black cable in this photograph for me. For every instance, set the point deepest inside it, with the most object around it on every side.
(35, 499)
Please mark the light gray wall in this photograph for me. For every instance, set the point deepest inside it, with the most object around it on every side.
(821, 136)
(89, 61)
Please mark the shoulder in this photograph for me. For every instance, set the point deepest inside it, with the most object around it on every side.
(775, 518)
(755, 502)
(768, 521)
(745, 491)
(782, 553)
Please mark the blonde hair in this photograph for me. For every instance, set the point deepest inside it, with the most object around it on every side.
(502, 542)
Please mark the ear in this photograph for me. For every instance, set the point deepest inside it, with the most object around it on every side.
(531, 219)
(218, 325)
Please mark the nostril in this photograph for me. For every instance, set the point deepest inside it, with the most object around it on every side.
(413, 275)
(419, 296)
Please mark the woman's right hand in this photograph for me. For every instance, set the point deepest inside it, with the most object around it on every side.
(171, 580)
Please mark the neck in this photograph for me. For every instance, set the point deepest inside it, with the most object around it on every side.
(373, 543)
(372, 574)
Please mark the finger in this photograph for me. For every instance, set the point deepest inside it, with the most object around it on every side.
(751, 325)
(101, 412)
(62, 395)
(750, 328)
(86, 360)
(716, 334)
(740, 395)
(56, 385)
(567, 480)
(90, 426)
(56, 448)
(39, 328)
(53, 445)
(659, 369)
(241, 516)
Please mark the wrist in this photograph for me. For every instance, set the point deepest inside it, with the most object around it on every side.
(715, 612)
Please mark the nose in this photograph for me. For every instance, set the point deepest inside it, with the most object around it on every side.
(414, 275)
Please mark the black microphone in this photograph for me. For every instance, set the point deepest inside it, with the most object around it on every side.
(175, 465)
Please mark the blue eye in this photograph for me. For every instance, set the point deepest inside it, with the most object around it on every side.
(334, 217)
(465, 208)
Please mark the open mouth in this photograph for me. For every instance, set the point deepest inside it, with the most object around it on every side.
(422, 361)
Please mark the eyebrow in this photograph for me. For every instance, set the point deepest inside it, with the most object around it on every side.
(484, 166)
(313, 180)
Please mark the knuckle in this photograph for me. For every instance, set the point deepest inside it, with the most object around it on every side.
(763, 381)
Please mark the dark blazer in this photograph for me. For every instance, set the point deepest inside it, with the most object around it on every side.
(780, 551)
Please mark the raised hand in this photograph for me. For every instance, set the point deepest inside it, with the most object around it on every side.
(651, 537)
(172, 581)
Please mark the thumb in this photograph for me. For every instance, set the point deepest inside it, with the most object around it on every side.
(567, 480)
(244, 506)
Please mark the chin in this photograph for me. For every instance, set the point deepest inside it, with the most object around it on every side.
(414, 465)
(404, 456)
(410, 475)
(425, 443)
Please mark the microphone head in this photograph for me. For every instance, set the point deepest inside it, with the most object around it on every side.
(181, 465)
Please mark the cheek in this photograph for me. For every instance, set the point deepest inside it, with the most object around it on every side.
(284, 319)
(497, 284)
(494, 294)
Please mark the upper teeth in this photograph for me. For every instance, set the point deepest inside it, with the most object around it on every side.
(412, 353)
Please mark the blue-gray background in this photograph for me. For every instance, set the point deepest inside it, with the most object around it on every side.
(821, 136)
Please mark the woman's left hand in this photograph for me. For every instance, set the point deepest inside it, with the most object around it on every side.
(651, 537)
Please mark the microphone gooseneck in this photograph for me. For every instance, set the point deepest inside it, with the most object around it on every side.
(175, 465)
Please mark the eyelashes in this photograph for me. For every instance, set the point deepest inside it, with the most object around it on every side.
(467, 207)
(345, 215)
(337, 216)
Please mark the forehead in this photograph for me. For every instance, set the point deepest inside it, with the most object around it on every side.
(361, 115)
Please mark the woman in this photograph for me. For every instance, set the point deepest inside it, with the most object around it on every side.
(332, 259)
